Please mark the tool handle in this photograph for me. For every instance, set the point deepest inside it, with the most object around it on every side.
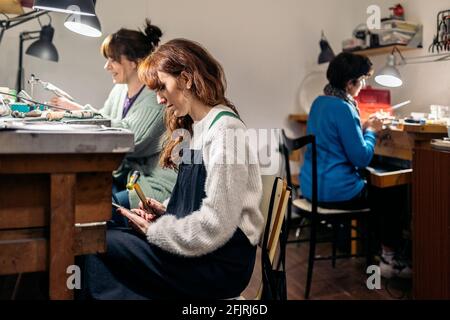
(133, 179)
(141, 196)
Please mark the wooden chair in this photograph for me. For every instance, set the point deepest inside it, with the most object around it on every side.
(276, 196)
(311, 211)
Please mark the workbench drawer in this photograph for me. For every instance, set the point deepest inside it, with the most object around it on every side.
(386, 179)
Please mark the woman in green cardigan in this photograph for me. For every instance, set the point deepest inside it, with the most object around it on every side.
(131, 105)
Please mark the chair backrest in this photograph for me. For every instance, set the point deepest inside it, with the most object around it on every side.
(286, 151)
(274, 204)
(290, 145)
(282, 196)
(267, 184)
(273, 188)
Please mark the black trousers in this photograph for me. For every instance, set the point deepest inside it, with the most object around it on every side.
(390, 208)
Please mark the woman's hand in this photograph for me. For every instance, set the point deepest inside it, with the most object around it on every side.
(373, 124)
(65, 103)
(148, 216)
(156, 206)
(137, 219)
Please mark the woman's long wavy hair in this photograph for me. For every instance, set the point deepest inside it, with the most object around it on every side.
(187, 61)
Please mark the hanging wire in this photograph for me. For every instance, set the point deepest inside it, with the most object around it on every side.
(49, 17)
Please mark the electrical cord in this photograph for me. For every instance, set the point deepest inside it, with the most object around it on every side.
(35, 102)
(49, 17)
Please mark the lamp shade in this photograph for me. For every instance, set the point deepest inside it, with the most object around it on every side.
(85, 25)
(326, 53)
(44, 47)
(389, 76)
(81, 7)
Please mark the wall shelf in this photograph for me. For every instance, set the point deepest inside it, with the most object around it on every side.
(298, 117)
(383, 50)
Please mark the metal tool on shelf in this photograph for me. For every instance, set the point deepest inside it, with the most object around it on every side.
(441, 40)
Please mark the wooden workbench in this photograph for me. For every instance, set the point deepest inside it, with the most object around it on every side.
(395, 142)
(431, 224)
(55, 199)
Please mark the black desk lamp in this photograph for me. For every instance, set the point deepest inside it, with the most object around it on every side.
(43, 48)
(326, 53)
(82, 20)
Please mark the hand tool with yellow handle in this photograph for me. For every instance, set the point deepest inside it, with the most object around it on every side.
(133, 185)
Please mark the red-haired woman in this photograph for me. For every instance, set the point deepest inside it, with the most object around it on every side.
(204, 243)
(131, 105)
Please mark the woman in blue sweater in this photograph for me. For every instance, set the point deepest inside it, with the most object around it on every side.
(345, 145)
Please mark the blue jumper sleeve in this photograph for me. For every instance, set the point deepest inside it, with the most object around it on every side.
(358, 147)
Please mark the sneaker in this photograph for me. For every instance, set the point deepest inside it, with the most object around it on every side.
(395, 267)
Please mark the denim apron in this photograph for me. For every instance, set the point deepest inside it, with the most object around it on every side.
(132, 268)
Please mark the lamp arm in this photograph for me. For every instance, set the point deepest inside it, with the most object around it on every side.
(13, 22)
(21, 17)
(395, 49)
(28, 35)
(439, 55)
(422, 59)
(442, 58)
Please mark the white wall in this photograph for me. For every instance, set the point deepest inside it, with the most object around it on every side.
(266, 47)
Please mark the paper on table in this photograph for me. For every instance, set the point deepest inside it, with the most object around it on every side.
(16, 125)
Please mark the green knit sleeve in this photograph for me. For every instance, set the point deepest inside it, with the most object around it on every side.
(146, 121)
(107, 107)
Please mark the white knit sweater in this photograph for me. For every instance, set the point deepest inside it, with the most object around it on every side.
(233, 195)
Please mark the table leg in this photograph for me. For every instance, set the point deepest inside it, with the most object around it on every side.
(62, 229)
